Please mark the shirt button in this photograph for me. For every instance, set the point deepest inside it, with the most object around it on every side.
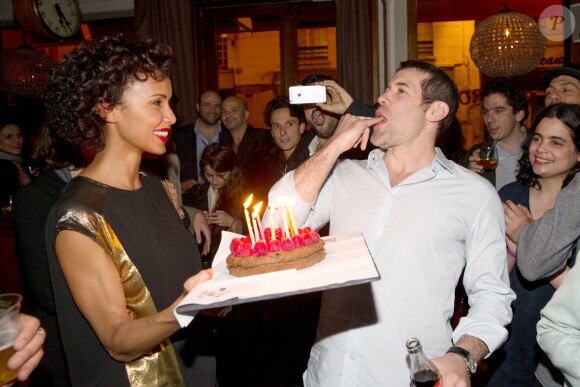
(351, 357)
(379, 231)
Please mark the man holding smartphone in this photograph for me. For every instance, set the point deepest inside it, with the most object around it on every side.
(323, 117)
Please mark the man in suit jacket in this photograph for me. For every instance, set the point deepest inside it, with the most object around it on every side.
(249, 143)
(191, 140)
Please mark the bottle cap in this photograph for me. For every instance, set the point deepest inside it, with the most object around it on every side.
(413, 345)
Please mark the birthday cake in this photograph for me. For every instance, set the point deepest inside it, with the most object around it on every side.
(275, 253)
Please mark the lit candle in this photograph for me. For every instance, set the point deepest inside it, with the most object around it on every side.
(257, 209)
(251, 231)
(271, 211)
(289, 203)
(283, 216)
(254, 216)
(289, 220)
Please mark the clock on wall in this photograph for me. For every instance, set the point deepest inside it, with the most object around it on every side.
(48, 19)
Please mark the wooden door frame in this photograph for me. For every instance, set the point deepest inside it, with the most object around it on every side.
(290, 16)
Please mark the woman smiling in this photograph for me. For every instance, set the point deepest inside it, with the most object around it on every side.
(550, 161)
(124, 257)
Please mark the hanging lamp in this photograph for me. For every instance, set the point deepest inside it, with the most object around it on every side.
(507, 44)
(23, 71)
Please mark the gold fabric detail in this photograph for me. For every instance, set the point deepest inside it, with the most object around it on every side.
(158, 367)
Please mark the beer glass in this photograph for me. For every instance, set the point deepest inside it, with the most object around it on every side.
(9, 329)
(6, 203)
(488, 156)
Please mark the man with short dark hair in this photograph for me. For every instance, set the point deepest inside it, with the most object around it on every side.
(191, 140)
(424, 219)
(287, 124)
(323, 121)
(504, 110)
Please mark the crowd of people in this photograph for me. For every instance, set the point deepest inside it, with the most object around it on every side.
(127, 214)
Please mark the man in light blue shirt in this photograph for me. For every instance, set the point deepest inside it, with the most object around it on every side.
(191, 140)
(424, 219)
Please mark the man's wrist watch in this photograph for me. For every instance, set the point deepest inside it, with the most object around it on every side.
(469, 359)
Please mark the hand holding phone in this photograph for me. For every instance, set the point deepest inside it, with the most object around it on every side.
(307, 94)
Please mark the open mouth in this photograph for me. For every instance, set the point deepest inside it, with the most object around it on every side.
(379, 114)
(541, 161)
(162, 134)
(318, 118)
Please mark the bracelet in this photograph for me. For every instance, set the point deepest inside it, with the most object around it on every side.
(232, 225)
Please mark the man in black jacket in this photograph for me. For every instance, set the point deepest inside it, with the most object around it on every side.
(190, 140)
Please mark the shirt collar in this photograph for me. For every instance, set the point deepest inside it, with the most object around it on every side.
(219, 125)
(439, 162)
(521, 148)
(313, 145)
(215, 137)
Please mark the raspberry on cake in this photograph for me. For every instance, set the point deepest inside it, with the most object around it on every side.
(302, 250)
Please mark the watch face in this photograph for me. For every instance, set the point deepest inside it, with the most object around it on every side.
(61, 17)
(472, 364)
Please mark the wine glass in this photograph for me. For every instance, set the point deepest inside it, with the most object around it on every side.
(488, 158)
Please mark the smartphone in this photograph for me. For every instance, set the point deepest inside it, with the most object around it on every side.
(307, 94)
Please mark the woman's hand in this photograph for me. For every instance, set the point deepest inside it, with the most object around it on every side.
(511, 251)
(201, 228)
(193, 281)
(220, 218)
(516, 218)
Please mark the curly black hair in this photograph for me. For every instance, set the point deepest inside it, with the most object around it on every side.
(92, 79)
(514, 95)
(569, 115)
(280, 102)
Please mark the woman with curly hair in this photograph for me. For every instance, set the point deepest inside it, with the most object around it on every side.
(550, 160)
(124, 258)
(220, 197)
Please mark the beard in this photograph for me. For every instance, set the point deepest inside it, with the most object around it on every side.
(323, 124)
(209, 120)
(326, 129)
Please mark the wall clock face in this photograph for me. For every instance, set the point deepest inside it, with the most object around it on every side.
(60, 17)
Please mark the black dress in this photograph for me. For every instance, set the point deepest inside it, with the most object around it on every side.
(515, 362)
(154, 254)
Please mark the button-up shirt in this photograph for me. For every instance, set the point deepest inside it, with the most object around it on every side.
(421, 233)
(507, 166)
(201, 143)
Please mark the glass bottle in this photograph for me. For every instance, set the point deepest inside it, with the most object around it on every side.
(423, 372)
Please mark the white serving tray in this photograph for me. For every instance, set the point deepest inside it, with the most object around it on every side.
(348, 262)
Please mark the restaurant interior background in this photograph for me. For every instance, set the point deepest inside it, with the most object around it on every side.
(259, 48)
